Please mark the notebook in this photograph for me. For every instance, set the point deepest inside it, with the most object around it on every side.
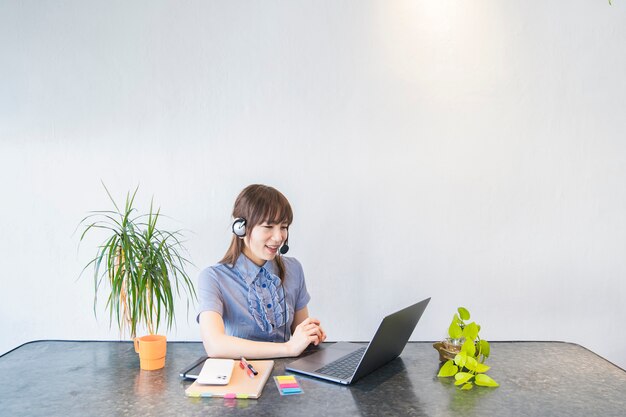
(240, 385)
(345, 362)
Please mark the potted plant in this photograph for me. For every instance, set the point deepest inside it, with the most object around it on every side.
(141, 266)
(464, 353)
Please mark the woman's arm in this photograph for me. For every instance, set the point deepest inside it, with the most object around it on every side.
(299, 317)
(219, 345)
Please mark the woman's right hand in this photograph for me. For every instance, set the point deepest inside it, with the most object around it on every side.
(305, 333)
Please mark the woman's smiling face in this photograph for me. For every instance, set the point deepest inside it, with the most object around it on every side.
(264, 241)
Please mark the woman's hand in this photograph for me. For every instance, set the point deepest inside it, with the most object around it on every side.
(307, 332)
(323, 338)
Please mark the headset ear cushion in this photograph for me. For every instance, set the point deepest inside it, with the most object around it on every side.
(239, 227)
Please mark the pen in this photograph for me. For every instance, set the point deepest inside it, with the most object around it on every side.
(254, 371)
(243, 364)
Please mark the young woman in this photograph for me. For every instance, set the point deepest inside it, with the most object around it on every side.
(253, 303)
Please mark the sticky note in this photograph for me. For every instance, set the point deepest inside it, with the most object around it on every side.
(287, 385)
(291, 390)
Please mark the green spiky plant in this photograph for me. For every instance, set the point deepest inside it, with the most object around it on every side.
(140, 264)
(468, 367)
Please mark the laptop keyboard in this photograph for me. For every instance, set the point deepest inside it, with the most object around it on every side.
(344, 367)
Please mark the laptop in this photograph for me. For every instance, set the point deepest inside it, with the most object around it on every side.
(345, 362)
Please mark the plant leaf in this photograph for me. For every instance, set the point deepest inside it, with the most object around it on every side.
(470, 332)
(460, 359)
(462, 375)
(463, 313)
(471, 363)
(455, 331)
(485, 381)
(482, 368)
(448, 369)
(109, 194)
(462, 378)
(467, 386)
(484, 348)
(469, 347)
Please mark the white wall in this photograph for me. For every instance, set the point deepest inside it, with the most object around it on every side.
(471, 151)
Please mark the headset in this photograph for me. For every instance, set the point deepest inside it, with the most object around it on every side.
(239, 229)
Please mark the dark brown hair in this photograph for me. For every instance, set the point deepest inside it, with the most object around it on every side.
(258, 203)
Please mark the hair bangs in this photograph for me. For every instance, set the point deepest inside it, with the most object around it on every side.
(273, 209)
(259, 203)
(278, 213)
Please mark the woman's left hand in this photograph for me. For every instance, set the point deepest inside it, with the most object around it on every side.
(302, 315)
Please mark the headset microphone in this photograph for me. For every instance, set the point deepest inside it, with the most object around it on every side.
(284, 249)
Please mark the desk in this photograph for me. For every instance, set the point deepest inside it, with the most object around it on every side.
(71, 378)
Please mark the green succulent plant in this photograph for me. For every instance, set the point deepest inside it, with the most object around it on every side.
(141, 264)
(468, 367)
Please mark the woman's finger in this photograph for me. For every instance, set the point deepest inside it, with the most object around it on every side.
(312, 330)
(311, 326)
(308, 321)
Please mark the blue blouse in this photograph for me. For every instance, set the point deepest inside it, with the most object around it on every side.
(251, 299)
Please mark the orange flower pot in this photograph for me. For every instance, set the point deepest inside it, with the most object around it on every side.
(151, 351)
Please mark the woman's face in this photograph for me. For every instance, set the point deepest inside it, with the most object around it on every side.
(264, 241)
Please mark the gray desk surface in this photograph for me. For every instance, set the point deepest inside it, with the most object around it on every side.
(67, 378)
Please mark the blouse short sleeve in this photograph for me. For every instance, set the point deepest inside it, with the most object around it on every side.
(209, 293)
(302, 294)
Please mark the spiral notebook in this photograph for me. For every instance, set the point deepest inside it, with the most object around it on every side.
(240, 385)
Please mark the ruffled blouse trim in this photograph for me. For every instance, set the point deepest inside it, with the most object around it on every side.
(266, 304)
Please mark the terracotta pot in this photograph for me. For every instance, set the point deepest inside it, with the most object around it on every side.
(151, 351)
